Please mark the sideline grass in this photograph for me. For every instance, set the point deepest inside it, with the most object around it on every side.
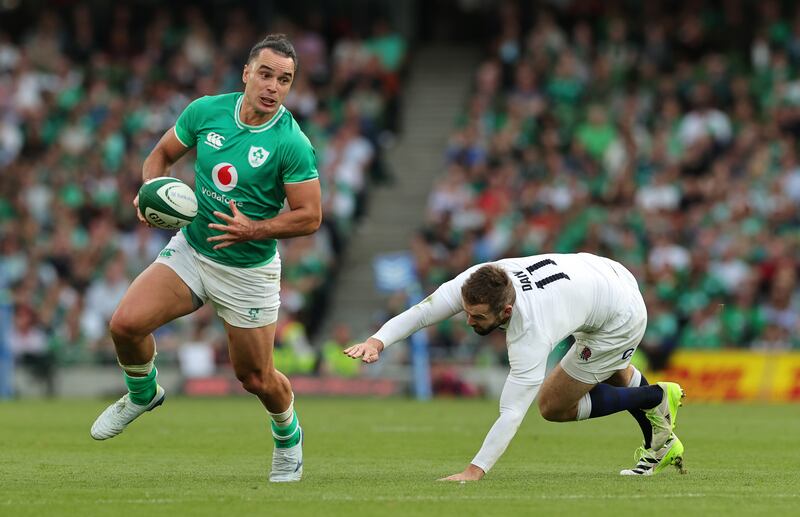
(367, 457)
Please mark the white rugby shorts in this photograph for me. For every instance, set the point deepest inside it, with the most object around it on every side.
(243, 297)
(594, 357)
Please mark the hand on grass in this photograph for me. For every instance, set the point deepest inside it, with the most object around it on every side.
(471, 473)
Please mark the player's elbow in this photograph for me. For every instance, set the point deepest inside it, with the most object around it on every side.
(316, 221)
(312, 221)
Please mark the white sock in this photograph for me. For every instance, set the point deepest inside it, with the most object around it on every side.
(284, 418)
(584, 407)
(636, 378)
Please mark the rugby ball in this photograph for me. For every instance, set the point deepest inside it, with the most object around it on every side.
(167, 203)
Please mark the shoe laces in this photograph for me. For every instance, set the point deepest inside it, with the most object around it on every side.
(283, 460)
(641, 453)
(120, 405)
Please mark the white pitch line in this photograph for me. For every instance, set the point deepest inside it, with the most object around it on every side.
(506, 497)
(431, 498)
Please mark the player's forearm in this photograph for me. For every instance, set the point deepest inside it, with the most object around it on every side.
(294, 223)
(442, 304)
(167, 151)
(402, 326)
(514, 403)
(497, 441)
(155, 165)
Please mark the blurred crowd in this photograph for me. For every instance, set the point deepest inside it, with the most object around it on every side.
(85, 94)
(663, 135)
(667, 143)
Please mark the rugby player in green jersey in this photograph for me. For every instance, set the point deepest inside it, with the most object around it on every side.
(251, 155)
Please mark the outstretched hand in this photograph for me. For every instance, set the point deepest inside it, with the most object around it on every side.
(237, 228)
(369, 351)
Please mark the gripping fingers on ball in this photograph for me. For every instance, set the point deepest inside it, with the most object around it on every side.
(143, 220)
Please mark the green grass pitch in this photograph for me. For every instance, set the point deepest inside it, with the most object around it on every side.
(382, 457)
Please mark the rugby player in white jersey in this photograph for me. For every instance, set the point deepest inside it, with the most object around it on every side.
(538, 301)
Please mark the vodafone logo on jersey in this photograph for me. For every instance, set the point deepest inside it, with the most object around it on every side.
(225, 176)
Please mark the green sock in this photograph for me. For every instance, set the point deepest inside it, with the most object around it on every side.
(142, 389)
(288, 435)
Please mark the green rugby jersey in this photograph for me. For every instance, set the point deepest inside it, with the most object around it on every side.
(246, 164)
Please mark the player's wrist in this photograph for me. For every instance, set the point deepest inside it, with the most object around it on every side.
(471, 473)
(150, 174)
(476, 470)
(377, 343)
(261, 230)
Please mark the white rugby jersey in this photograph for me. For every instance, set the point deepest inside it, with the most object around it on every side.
(557, 295)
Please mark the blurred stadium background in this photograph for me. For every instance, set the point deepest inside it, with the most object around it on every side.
(448, 132)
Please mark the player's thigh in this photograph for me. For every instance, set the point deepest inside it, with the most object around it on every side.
(600, 356)
(157, 296)
(247, 300)
(561, 391)
(250, 349)
(620, 378)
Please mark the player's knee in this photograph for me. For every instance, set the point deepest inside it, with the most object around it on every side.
(551, 411)
(123, 325)
(257, 381)
(251, 381)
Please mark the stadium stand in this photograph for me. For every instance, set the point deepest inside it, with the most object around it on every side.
(668, 145)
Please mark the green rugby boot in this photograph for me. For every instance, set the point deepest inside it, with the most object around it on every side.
(650, 462)
(664, 416)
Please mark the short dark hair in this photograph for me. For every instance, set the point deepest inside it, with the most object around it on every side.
(278, 43)
(491, 285)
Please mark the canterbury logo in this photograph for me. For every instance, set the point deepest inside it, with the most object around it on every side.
(215, 140)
